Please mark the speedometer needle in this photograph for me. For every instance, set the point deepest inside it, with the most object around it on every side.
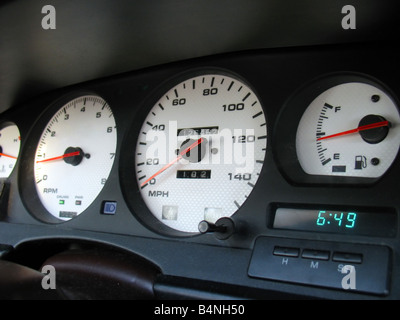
(361, 128)
(181, 154)
(71, 154)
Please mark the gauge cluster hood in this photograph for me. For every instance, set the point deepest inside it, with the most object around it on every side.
(97, 39)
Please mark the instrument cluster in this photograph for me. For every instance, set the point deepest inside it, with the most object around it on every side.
(208, 146)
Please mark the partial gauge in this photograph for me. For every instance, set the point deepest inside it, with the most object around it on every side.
(351, 129)
(74, 156)
(200, 151)
(10, 142)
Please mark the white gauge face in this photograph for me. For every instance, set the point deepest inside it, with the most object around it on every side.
(10, 142)
(74, 156)
(350, 130)
(200, 151)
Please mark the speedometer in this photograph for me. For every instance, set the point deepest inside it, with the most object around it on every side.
(200, 151)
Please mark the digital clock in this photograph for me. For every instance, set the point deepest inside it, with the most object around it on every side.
(363, 222)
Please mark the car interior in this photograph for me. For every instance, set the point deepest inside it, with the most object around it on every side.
(199, 150)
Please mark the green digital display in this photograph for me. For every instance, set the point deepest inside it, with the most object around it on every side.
(337, 218)
(356, 222)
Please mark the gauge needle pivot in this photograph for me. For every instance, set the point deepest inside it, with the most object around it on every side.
(67, 155)
(181, 154)
(361, 128)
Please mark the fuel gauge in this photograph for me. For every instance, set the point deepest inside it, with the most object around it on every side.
(351, 129)
(10, 142)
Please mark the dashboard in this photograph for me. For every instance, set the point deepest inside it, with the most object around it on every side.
(248, 174)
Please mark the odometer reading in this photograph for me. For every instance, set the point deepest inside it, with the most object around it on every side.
(200, 151)
(193, 174)
(74, 156)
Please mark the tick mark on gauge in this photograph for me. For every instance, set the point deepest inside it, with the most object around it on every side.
(257, 114)
(161, 107)
(149, 123)
(176, 93)
(327, 105)
(326, 161)
(246, 96)
(236, 203)
(250, 184)
(230, 86)
(212, 82)
(262, 137)
(254, 103)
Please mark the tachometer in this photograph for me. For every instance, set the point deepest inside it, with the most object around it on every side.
(74, 156)
(200, 151)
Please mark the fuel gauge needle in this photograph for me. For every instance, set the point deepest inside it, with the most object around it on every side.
(179, 157)
(361, 128)
(7, 155)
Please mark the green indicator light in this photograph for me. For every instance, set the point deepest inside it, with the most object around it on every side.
(61, 201)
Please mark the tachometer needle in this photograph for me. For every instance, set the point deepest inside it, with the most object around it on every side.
(181, 154)
(72, 154)
(7, 155)
(361, 128)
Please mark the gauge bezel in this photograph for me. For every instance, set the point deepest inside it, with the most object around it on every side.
(26, 181)
(128, 175)
(284, 137)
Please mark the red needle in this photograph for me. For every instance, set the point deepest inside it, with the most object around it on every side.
(181, 154)
(76, 153)
(361, 128)
(7, 155)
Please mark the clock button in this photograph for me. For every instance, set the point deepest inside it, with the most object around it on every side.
(315, 254)
(347, 257)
